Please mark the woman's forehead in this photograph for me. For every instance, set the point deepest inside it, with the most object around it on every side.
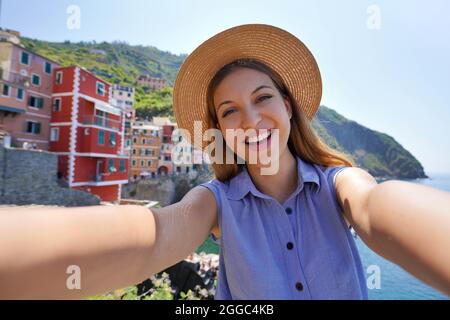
(242, 81)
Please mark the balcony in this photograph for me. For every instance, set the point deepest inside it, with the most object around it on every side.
(101, 122)
(14, 78)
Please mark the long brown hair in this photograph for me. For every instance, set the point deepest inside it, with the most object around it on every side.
(303, 140)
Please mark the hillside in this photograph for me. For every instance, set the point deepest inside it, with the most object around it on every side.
(378, 152)
(121, 63)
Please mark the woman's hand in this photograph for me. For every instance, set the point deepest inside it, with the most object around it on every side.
(404, 222)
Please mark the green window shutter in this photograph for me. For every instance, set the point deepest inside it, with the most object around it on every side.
(36, 80)
(48, 67)
(122, 165)
(101, 137)
(25, 58)
(111, 167)
(40, 103)
(112, 139)
(5, 90)
(20, 93)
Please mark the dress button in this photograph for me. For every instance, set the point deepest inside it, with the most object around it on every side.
(290, 245)
(288, 210)
(299, 286)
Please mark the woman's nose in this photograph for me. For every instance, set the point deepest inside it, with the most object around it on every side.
(251, 117)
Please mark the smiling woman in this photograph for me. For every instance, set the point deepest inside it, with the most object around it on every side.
(283, 236)
(262, 102)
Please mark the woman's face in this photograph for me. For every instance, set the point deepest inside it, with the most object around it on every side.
(248, 99)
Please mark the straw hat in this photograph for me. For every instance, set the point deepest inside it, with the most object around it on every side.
(278, 49)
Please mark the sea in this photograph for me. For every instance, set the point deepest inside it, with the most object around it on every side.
(389, 281)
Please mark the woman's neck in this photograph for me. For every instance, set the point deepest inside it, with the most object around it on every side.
(281, 184)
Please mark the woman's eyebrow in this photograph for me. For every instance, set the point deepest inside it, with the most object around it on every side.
(225, 102)
(259, 88)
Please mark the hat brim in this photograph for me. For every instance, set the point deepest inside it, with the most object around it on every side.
(278, 49)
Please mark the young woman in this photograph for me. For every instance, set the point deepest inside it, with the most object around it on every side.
(284, 235)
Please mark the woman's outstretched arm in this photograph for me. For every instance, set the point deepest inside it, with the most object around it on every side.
(404, 222)
(113, 246)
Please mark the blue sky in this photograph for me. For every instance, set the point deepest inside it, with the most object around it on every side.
(394, 79)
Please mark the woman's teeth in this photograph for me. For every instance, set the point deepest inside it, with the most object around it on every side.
(259, 138)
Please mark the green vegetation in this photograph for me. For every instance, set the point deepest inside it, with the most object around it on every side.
(119, 63)
(162, 290)
(377, 152)
(116, 62)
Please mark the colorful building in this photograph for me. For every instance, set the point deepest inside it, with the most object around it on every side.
(165, 165)
(87, 132)
(123, 97)
(145, 145)
(151, 82)
(25, 94)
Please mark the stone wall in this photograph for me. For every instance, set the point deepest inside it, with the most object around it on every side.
(30, 177)
(165, 190)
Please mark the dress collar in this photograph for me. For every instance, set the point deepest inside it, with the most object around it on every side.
(242, 184)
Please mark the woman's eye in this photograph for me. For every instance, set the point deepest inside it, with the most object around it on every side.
(227, 113)
(262, 98)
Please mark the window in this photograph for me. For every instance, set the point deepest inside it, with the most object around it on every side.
(122, 165)
(35, 80)
(100, 88)
(100, 118)
(57, 105)
(134, 151)
(142, 152)
(36, 102)
(142, 163)
(149, 163)
(48, 67)
(5, 90)
(59, 76)
(33, 127)
(101, 137)
(19, 95)
(111, 167)
(133, 163)
(112, 139)
(128, 142)
(54, 134)
(134, 140)
(143, 141)
(25, 58)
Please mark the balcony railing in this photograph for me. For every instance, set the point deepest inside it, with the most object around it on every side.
(14, 78)
(102, 122)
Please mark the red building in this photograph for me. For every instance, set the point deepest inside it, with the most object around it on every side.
(87, 133)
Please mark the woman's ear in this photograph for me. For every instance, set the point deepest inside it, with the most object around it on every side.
(287, 103)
